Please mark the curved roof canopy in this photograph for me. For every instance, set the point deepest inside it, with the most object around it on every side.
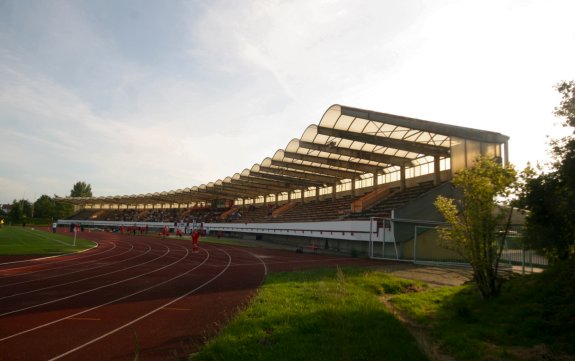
(347, 143)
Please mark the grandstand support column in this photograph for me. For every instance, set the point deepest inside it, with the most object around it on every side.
(302, 195)
(402, 178)
(436, 171)
(317, 193)
(353, 187)
(375, 180)
(289, 195)
(333, 191)
(277, 196)
(505, 153)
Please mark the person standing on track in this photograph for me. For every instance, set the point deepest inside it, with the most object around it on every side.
(195, 239)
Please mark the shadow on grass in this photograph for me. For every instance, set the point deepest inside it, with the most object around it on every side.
(532, 319)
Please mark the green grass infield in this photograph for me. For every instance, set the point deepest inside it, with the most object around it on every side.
(15, 241)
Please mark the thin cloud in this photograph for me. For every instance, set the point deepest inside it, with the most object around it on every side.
(153, 98)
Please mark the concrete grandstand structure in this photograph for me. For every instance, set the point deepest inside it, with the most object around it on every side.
(359, 181)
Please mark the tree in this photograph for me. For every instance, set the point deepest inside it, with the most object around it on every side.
(20, 211)
(81, 189)
(477, 224)
(63, 210)
(549, 197)
(44, 207)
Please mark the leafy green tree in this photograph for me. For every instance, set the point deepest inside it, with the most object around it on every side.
(63, 210)
(477, 224)
(21, 211)
(549, 197)
(15, 214)
(44, 207)
(81, 189)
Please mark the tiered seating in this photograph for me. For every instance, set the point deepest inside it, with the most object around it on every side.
(314, 211)
(84, 214)
(150, 215)
(395, 200)
(251, 214)
(326, 210)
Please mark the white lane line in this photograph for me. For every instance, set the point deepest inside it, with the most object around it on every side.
(47, 257)
(104, 304)
(71, 273)
(84, 319)
(92, 289)
(257, 256)
(147, 314)
(69, 257)
(46, 237)
(89, 278)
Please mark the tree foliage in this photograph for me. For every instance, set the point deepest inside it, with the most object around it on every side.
(549, 197)
(81, 189)
(475, 218)
(63, 210)
(44, 207)
(20, 211)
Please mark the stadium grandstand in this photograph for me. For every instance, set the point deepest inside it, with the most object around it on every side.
(359, 182)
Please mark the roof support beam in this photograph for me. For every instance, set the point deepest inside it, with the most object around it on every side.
(286, 179)
(248, 189)
(380, 158)
(414, 147)
(432, 127)
(338, 173)
(333, 162)
(300, 175)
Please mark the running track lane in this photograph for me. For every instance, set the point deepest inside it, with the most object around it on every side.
(141, 294)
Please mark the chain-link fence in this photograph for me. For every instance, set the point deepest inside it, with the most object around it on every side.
(419, 242)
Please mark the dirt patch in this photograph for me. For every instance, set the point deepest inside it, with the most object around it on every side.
(433, 275)
(419, 333)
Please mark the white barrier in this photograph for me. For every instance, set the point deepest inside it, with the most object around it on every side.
(348, 230)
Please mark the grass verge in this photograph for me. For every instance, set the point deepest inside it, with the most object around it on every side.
(532, 319)
(327, 314)
(29, 241)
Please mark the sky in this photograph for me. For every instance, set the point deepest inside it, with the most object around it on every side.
(136, 97)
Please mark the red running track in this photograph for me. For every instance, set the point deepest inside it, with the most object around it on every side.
(131, 295)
